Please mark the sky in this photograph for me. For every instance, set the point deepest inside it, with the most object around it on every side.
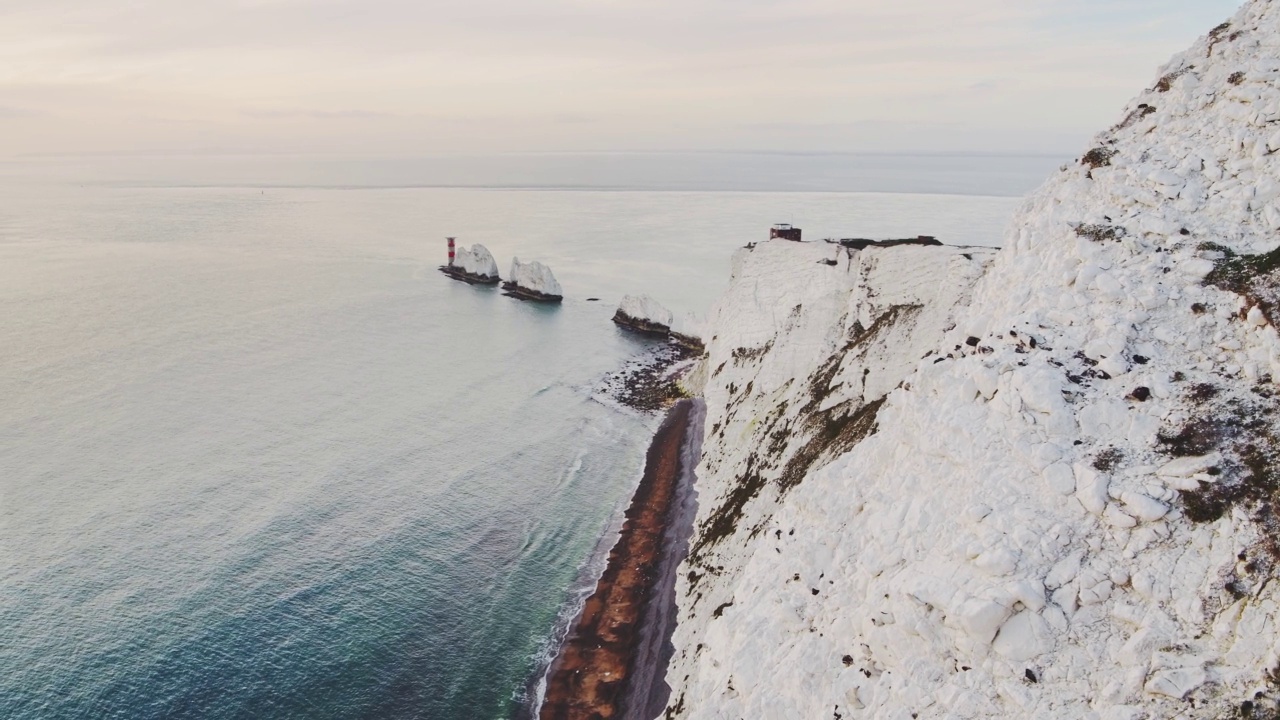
(426, 77)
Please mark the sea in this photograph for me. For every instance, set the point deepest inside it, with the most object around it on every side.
(259, 459)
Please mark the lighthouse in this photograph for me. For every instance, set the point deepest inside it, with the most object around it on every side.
(450, 251)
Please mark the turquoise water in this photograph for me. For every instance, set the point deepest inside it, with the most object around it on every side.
(258, 459)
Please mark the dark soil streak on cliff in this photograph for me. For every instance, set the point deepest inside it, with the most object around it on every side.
(591, 677)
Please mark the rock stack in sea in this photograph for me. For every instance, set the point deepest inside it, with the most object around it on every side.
(474, 265)
(688, 331)
(532, 281)
(643, 314)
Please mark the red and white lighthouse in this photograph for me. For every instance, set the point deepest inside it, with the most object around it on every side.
(450, 251)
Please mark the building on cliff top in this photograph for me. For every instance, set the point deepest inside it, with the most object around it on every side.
(783, 231)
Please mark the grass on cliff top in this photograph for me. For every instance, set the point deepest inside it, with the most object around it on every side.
(1239, 273)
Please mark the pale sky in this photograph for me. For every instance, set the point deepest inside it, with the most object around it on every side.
(423, 76)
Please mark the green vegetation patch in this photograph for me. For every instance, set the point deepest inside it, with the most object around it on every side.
(1101, 233)
(1256, 277)
(1249, 475)
(1098, 157)
(724, 521)
(814, 435)
(1165, 84)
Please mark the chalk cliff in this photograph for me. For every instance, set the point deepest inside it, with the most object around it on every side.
(475, 263)
(942, 482)
(533, 280)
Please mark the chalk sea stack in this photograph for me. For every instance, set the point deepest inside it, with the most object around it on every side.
(532, 281)
(643, 314)
(475, 265)
(689, 332)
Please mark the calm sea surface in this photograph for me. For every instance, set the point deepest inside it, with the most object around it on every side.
(258, 459)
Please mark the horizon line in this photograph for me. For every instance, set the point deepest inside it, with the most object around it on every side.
(530, 153)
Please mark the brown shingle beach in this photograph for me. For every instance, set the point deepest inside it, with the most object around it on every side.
(588, 681)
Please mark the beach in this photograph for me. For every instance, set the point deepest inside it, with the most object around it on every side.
(611, 664)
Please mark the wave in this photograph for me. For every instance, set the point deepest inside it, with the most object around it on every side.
(530, 698)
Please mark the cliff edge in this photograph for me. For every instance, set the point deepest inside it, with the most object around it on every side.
(1040, 486)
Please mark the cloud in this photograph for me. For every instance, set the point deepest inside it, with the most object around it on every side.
(8, 112)
(315, 114)
(574, 119)
(572, 74)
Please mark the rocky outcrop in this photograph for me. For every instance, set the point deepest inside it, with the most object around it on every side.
(532, 281)
(689, 332)
(864, 243)
(474, 265)
(1053, 496)
(643, 314)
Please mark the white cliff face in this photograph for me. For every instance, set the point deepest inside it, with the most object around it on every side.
(1065, 509)
(645, 309)
(534, 276)
(477, 260)
(800, 357)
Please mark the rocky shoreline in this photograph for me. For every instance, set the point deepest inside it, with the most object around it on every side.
(640, 325)
(458, 273)
(596, 674)
(690, 343)
(511, 289)
(649, 384)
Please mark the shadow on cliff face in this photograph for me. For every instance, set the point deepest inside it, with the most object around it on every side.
(1241, 431)
(648, 383)
(1254, 277)
(819, 434)
(1243, 428)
